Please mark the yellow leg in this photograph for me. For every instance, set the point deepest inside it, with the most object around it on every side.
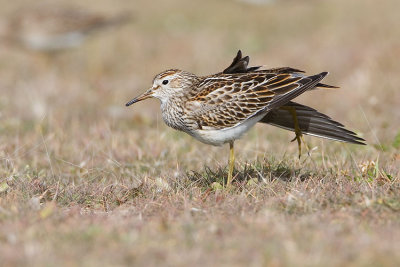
(231, 163)
(297, 130)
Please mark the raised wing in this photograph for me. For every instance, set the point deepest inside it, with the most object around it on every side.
(226, 100)
(310, 122)
(240, 63)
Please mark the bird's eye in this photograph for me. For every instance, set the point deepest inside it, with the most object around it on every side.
(165, 82)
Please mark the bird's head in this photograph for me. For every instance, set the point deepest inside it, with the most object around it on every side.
(167, 84)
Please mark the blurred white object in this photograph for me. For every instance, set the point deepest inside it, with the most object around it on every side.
(52, 28)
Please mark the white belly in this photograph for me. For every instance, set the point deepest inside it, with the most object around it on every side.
(222, 136)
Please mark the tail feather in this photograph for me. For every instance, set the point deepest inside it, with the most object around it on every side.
(311, 122)
(322, 85)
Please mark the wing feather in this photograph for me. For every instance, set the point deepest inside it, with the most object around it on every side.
(228, 99)
(240, 63)
(310, 122)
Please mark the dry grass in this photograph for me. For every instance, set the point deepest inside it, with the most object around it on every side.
(85, 181)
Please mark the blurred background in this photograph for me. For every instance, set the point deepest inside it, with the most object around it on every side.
(85, 180)
(68, 67)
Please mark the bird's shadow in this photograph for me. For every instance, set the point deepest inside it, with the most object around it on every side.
(262, 171)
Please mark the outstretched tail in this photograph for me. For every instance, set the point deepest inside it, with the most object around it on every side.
(310, 122)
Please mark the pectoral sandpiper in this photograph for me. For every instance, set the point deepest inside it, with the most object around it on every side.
(220, 108)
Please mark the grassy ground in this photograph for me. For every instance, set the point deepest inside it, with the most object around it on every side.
(86, 181)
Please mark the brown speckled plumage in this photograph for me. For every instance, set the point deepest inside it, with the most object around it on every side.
(220, 108)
